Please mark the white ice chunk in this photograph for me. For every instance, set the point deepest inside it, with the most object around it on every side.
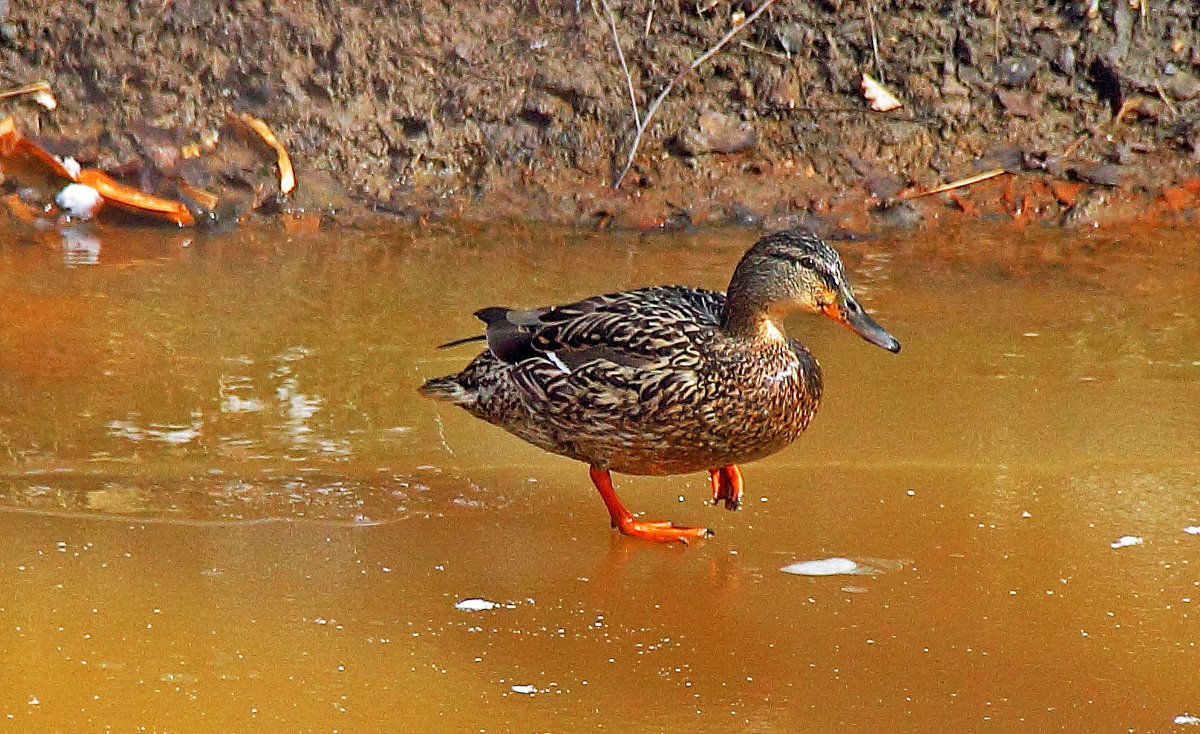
(823, 567)
(1126, 540)
(1192, 530)
(1187, 719)
(476, 605)
(526, 689)
(72, 166)
(78, 200)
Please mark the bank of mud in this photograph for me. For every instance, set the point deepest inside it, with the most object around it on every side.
(522, 110)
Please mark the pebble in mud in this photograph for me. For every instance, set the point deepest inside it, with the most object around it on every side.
(1016, 71)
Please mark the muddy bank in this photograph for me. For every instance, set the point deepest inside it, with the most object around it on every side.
(522, 110)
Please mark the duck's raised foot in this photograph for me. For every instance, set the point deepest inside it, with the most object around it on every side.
(726, 486)
(660, 531)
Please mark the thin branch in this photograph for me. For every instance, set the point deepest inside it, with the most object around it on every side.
(612, 23)
(641, 127)
(959, 183)
(765, 52)
(874, 40)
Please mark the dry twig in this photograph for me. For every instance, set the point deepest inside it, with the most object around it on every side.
(40, 90)
(650, 110)
(959, 183)
(874, 40)
(612, 23)
(763, 51)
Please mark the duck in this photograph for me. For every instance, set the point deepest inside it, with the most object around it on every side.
(665, 380)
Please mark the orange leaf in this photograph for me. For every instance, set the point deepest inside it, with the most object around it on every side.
(134, 200)
(287, 176)
(13, 143)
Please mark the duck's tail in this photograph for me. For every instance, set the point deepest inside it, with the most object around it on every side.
(448, 389)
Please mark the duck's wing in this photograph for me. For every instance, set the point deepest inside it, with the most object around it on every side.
(632, 328)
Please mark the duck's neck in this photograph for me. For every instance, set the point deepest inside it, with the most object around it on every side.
(747, 315)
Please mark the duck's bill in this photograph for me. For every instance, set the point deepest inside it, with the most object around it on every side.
(847, 311)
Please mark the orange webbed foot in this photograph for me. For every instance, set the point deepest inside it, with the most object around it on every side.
(660, 531)
(727, 486)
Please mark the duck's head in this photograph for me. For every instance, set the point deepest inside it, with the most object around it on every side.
(795, 270)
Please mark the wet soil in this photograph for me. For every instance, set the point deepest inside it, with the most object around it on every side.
(522, 110)
(224, 506)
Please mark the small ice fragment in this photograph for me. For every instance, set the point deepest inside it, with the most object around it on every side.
(1192, 530)
(33, 701)
(1187, 719)
(72, 166)
(476, 605)
(824, 567)
(1126, 540)
(526, 689)
(1026, 514)
(78, 200)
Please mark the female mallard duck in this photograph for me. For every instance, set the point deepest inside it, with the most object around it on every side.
(665, 380)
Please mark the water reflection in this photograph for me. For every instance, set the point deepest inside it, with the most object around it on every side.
(80, 247)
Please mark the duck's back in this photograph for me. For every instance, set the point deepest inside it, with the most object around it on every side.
(642, 382)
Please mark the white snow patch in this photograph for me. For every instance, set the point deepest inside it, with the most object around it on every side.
(476, 605)
(72, 166)
(1187, 719)
(527, 689)
(1192, 530)
(78, 200)
(1126, 540)
(823, 567)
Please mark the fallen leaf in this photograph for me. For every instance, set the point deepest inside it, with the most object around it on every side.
(287, 175)
(136, 201)
(881, 99)
(13, 143)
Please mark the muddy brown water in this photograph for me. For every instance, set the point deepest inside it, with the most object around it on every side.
(225, 508)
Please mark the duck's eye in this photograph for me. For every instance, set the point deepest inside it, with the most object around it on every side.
(808, 262)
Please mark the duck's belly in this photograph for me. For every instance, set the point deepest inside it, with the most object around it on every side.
(717, 426)
(709, 444)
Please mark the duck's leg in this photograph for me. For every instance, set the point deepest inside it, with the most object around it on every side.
(727, 486)
(657, 530)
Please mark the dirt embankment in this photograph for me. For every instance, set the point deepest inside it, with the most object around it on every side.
(522, 109)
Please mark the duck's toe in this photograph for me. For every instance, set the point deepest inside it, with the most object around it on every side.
(661, 531)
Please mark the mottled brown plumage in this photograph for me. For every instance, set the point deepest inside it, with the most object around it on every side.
(665, 380)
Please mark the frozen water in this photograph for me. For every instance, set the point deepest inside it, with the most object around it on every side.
(78, 200)
(824, 567)
(476, 605)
